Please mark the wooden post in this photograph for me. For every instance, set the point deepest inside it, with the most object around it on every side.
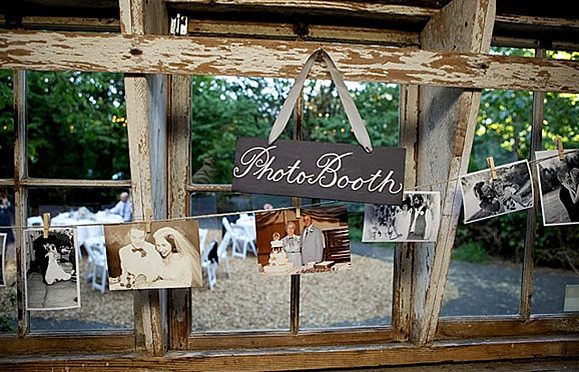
(179, 136)
(20, 194)
(404, 254)
(447, 122)
(146, 100)
(536, 145)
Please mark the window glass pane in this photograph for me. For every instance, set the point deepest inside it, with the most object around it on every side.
(8, 299)
(361, 296)
(70, 206)
(556, 247)
(240, 298)
(76, 125)
(6, 125)
(225, 109)
(485, 270)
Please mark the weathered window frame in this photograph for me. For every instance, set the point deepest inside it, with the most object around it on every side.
(141, 54)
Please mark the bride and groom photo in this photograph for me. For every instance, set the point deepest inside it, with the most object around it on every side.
(51, 269)
(167, 257)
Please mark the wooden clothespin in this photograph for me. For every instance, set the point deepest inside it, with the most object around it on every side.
(491, 164)
(560, 148)
(148, 216)
(46, 225)
(298, 212)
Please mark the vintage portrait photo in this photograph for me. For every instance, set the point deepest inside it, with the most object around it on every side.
(3, 238)
(559, 187)
(167, 257)
(484, 197)
(416, 220)
(317, 241)
(51, 268)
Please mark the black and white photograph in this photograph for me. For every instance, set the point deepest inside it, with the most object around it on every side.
(417, 219)
(3, 238)
(51, 268)
(316, 241)
(559, 187)
(167, 257)
(484, 197)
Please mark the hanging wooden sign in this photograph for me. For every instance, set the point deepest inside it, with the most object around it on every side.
(319, 170)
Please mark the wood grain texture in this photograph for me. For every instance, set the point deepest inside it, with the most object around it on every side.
(536, 145)
(463, 328)
(446, 131)
(20, 194)
(179, 147)
(98, 342)
(146, 101)
(60, 51)
(59, 182)
(403, 282)
(312, 358)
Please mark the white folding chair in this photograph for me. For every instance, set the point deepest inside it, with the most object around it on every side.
(209, 267)
(222, 252)
(240, 239)
(97, 263)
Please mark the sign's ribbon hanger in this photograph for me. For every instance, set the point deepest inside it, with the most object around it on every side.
(352, 113)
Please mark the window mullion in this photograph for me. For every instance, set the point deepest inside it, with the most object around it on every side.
(536, 144)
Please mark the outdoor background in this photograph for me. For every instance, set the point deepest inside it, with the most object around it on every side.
(77, 129)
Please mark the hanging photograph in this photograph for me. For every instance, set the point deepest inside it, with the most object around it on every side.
(3, 238)
(167, 257)
(51, 268)
(559, 187)
(317, 241)
(416, 220)
(485, 197)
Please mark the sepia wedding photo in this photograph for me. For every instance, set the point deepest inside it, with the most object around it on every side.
(167, 257)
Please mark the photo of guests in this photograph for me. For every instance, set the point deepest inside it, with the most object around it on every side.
(167, 257)
(485, 197)
(316, 241)
(559, 187)
(51, 269)
(417, 219)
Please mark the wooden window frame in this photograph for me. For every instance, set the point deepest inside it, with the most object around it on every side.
(136, 51)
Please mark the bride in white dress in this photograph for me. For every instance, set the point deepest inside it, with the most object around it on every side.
(54, 272)
(181, 268)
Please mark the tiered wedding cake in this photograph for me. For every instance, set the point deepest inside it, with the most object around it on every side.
(278, 261)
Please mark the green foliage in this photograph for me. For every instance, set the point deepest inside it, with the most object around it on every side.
(6, 124)
(71, 133)
(473, 251)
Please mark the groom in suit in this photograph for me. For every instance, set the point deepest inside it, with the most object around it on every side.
(312, 242)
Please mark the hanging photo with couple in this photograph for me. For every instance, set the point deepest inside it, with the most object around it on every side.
(416, 220)
(559, 187)
(485, 197)
(51, 270)
(167, 257)
(317, 241)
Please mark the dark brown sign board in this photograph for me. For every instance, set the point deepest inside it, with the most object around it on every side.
(319, 170)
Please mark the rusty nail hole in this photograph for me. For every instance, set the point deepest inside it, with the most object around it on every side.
(466, 24)
(135, 51)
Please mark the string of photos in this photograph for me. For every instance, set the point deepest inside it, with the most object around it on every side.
(174, 253)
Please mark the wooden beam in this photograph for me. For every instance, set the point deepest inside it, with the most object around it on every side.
(179, 144)
(242, 57)
(102, 342)
(20, 194)
(58, 182)
(404, 254)
(536, 145)
(315, 358)
(446, 130)
(146, 100)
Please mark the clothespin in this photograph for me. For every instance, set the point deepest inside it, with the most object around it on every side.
(148, 215)
(491, 164)
(560, 148)
(298, 212)
(46, 224)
